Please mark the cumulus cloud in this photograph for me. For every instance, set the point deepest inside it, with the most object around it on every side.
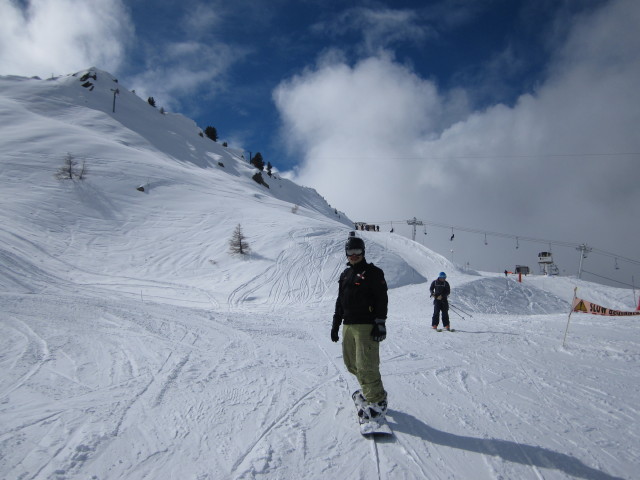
(44, 37)
(363, 122)
(380, 142)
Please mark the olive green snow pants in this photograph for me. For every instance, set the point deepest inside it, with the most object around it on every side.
(361, 356)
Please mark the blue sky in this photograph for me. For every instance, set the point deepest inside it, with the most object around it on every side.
(512, 116)
(496, 50)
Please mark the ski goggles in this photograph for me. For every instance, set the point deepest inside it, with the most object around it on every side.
(354, 251)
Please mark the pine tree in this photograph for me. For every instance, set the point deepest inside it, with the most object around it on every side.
(212, 133)
(257, 161)
(238, 244)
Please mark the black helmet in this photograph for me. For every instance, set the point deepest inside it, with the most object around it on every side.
(353, 243)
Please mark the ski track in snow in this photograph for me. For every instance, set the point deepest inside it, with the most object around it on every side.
(122, 387)
(300, 274)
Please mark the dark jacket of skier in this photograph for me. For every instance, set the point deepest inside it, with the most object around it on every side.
(362, 294)
(440, 288)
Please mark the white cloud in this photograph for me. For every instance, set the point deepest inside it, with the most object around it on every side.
(391, 145)
(47, 37)
(379, 28)
(188, 67)
(202, 18)
(177, 69)
(359, 122)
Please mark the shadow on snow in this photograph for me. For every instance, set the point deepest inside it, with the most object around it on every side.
(509, 451)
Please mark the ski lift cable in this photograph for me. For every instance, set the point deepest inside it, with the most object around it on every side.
(615, 255)
(607, 278)
(488, 233)
(467, 157)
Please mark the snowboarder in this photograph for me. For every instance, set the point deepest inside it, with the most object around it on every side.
(362, 306)
(440, 290)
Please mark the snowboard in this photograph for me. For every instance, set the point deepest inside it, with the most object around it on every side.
(371, 427)
(374, 427)
(444, 330)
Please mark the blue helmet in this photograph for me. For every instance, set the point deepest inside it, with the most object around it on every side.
(442, 275)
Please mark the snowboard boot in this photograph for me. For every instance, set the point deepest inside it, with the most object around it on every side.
(375, 411)
(360, 401)
(358, 398)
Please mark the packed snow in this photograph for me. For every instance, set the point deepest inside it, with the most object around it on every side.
(133, 345)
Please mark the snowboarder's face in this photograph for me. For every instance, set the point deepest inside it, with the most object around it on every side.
(354, 256)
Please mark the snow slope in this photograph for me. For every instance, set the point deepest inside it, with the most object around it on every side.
(133, 345)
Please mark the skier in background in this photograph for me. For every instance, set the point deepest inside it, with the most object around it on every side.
(440, 290)
(362, 305)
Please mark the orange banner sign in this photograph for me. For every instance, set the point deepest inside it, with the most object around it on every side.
(584, 306)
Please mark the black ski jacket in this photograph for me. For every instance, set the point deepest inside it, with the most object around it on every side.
(362, 294)
(440, 288)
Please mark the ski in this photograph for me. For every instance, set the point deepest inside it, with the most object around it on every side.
(444, 330)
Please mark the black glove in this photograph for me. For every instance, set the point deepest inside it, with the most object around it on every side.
(379, 331)
(337, 321)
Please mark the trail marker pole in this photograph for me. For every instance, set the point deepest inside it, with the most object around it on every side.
(575, 290)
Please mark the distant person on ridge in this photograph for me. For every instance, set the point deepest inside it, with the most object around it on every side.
(440, 290)
(362, 305)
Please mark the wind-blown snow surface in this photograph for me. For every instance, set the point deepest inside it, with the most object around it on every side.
(132, 345)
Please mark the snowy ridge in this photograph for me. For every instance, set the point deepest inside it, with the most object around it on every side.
(133, 345)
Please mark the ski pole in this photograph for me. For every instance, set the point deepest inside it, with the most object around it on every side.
(458, 314)
(457, 307)
(460, 309)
